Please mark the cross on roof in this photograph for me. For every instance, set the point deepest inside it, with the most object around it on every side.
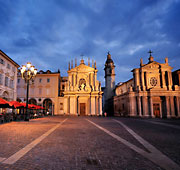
(150, 52)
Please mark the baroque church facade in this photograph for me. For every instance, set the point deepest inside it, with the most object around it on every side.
(154, 91)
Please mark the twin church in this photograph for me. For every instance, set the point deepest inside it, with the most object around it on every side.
(153, 91)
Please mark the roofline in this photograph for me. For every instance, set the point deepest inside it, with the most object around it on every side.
(9, 59)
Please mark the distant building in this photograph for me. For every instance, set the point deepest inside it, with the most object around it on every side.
(154, 91)
(8, 77)
(78, 94)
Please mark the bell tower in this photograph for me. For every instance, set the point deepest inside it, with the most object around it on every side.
(109, 78)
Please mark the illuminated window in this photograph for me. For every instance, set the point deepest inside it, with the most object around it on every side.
(48, 80)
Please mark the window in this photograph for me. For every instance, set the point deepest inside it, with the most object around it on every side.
(40, 80)
(6, 81)
(13, 69)
(48, 80)
(1, 61)
(11, 83)
(8, 66)
(61, 106)
(1, 79)
(19, 81)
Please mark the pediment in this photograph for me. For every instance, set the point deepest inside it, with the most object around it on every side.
(153, 65)
(82, 68)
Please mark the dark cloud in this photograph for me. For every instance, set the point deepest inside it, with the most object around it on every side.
(51, 33)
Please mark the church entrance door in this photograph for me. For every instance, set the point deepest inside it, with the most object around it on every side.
(156, 108)
(82, 109)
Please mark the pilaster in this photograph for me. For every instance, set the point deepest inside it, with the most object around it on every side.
(139, 106)
(151, 107)
(178, 106)
(172, 106)
(145, 106)
(168, 107)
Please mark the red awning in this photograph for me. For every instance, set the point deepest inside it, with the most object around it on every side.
(16, 104)
(4, 103)
(24, 104)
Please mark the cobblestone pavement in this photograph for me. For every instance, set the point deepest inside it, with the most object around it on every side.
(79, 144)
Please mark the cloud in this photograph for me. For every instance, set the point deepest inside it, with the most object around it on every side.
(51, 33)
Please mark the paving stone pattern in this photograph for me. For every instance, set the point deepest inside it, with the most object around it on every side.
(78, 144)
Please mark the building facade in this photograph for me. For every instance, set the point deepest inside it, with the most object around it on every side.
(8, 77)
(154, 91)
(78, 94)
(44, 91)
(83, 95)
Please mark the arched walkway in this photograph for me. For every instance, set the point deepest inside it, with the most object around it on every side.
(5, 95)
(32, 101)
(19, 100)
(47, 104)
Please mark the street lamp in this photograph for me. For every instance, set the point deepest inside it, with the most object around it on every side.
(28, 73)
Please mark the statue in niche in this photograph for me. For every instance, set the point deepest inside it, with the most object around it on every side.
(82, 84)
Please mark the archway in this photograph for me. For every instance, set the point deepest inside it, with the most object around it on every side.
(5, 95)
(19, 100)
(32, 101)
(47, 104)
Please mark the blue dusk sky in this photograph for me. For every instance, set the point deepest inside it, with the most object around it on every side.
(50, 33)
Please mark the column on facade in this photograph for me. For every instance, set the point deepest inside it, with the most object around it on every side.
(95, 78)
(169, 80)
(142, 80)
(76, 105)
(74, 80)
(68, 105)
(72, 105)
(178, 106)
(145, 106)
(163, 79)
(172, 106)
(132, 106)
(139, 105)
(65, 105)
(93, 105)
(151, 106)
(92, 80)
(90, 105)
(146, 78)
(100, 105)
(136, 74)
(96, 105)
(168, 107)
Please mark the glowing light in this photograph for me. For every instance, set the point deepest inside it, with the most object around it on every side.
(28, 65)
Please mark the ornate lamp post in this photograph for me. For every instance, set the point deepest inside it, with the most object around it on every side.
(28, 73)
